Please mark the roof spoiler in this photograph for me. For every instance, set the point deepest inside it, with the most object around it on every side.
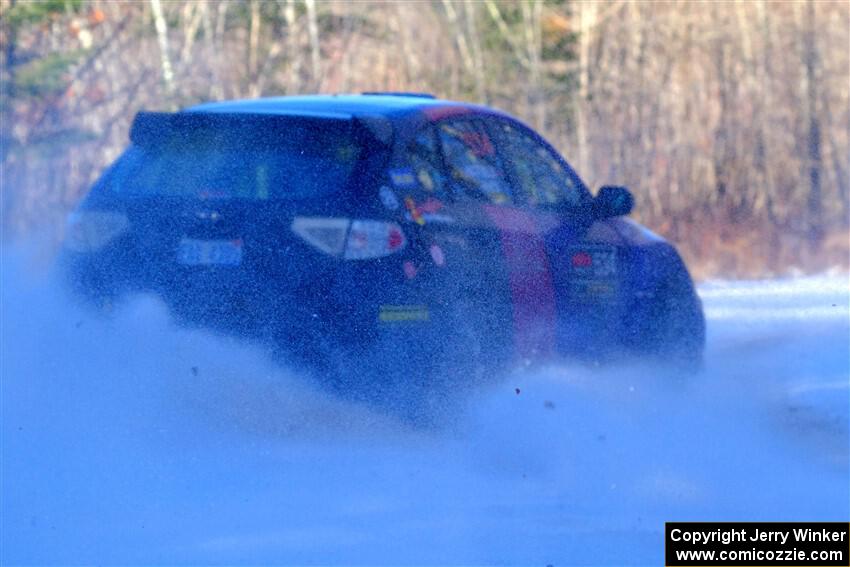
(398, 93)
(154, 128)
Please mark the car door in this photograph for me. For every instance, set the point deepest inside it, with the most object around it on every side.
(452, 257)
(513, 258)
(582, 254)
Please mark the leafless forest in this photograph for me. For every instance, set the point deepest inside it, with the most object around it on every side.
(730, 120)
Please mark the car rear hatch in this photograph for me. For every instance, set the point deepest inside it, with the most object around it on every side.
(205, 206)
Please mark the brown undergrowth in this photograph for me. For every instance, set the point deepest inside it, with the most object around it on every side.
(747, 251)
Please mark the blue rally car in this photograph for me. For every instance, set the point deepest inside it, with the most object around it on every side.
(411, 236)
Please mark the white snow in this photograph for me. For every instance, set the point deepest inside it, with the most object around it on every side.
(130, 440)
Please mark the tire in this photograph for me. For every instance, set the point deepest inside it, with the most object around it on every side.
(676, 329)
(685, 341)
(429, 375)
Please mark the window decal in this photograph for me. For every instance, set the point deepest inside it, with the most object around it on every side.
(479, 143)
(474, 167)
(403, 177)
(414, 213)
(388, 198)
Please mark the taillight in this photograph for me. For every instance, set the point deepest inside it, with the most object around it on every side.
(328, 235)
(582, 260)
(350, 239)
(373, 239)
(89, 231)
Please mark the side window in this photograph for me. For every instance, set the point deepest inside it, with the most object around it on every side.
(539, 177)
(424, 158)
(474, 169)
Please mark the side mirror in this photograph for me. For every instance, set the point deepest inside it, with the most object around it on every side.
(612, 201)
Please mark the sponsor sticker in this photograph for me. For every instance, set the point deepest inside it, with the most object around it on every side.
(409, 269)
(431, 217)
(388, 198)
(426, 212)
(437, 255)
(593, 262)
(413, 212)
(425, 179)
(403, 177)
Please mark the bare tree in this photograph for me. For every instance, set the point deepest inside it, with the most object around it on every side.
(162, 36)
(730, 120)
(315, 54)
(812, 83)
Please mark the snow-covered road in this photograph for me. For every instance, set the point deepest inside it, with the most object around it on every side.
(134, 441)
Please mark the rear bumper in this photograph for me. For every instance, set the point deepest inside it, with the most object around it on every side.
(341, 309)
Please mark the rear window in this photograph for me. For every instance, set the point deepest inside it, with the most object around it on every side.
(304, 159)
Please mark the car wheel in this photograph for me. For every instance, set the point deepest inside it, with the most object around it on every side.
(423, 372)
(669, 327)
(678, 336)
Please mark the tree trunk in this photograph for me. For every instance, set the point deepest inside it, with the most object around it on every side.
(814, 201)
(477, 57)
(162, 37)
(587, 17)
(253, 47)
(315, 55)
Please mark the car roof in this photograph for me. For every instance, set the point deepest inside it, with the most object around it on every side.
(342, 106)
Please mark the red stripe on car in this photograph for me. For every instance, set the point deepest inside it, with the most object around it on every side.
(532, 291)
